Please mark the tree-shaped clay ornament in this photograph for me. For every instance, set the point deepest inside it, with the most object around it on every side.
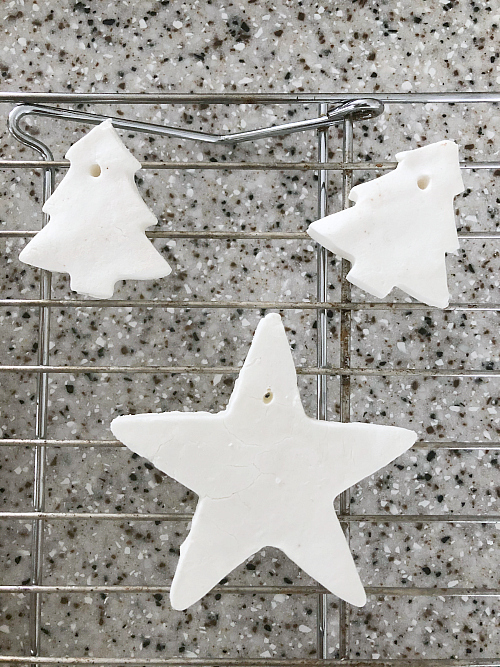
(266, 474)
(97, 220)
(401, 227)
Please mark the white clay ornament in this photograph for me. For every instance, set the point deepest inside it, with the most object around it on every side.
(97, 220)
(401, 226)
(266, 474)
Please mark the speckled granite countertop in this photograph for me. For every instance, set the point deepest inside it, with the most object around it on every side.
(290, 46)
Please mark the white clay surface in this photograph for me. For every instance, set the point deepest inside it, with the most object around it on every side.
(266, 474)
(402, 225)
(97, 220)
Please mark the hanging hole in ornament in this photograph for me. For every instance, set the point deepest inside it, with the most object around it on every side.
(268, 397)
(95, 170)
(423, 182)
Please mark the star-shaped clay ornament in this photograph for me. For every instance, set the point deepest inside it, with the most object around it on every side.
(401, 227)
(266, 474)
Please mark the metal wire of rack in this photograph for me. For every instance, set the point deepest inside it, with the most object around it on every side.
(347, 110)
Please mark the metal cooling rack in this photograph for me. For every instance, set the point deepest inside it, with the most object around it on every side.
(332, 109)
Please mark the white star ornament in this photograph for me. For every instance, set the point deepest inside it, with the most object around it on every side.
(266, 474)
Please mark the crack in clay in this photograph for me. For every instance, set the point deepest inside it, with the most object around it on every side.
(245, 488)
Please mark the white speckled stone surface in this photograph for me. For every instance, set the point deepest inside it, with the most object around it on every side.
(285, 46)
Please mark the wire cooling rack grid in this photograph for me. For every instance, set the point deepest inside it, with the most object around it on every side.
(332, 110)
